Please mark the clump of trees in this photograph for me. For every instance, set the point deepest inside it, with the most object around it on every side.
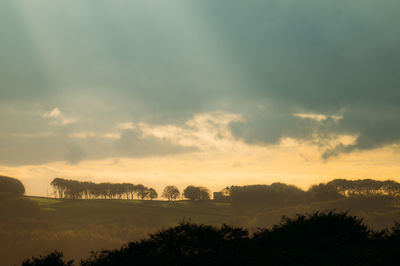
(279, 194)
(321, 238)
(53, 259)
(196, 193)
(72, 189)
(366, 187)
(323, 192)
(171, 193)
(11, 186)
(274, 194)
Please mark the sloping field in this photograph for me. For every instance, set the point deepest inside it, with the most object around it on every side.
(155, 213)
(78, 227)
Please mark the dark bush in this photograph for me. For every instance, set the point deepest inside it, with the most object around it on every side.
(52, 259)
(322, 238)
(9, 185)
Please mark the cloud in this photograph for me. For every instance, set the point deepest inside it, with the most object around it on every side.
(59, 118)
(205, 131)
(67, 144)
(82, 135)
(53, 114)
(74, 154)
(334, 64)
(340, 64)
(125, 126)
(111, 135)
(317, 117)
(132, 144)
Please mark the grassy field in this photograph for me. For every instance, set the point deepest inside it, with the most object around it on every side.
(44, 201)
(78, 227)
(153, 213)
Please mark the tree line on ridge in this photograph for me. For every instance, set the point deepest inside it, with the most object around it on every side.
(280, 194)
(73, 189)
(275, 194)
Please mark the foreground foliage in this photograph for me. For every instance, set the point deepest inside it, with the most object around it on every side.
(321, 238)
(55, 258)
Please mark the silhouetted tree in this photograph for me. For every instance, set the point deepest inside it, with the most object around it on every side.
(86, 186)
(185, 244)
(204, 193)
(322, 238)
(343, 186)
(276, 194)
(391, 188)
(323, 192)
(152, 194)
(11, 186)
(52, 259)
(196, 193)
(171, 193)
(128, 190)
(72, 189)
(59, 187)
(366, 187)
(141, 191)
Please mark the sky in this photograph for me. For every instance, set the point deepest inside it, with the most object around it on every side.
(212, 93)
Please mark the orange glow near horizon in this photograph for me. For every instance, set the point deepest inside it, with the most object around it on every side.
(291, 163)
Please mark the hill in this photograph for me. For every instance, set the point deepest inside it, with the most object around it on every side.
(79, 226)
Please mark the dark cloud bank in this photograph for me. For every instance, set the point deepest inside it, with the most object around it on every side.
(264, 59)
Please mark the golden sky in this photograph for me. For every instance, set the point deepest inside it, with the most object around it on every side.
(220, 161)
(214, 93)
